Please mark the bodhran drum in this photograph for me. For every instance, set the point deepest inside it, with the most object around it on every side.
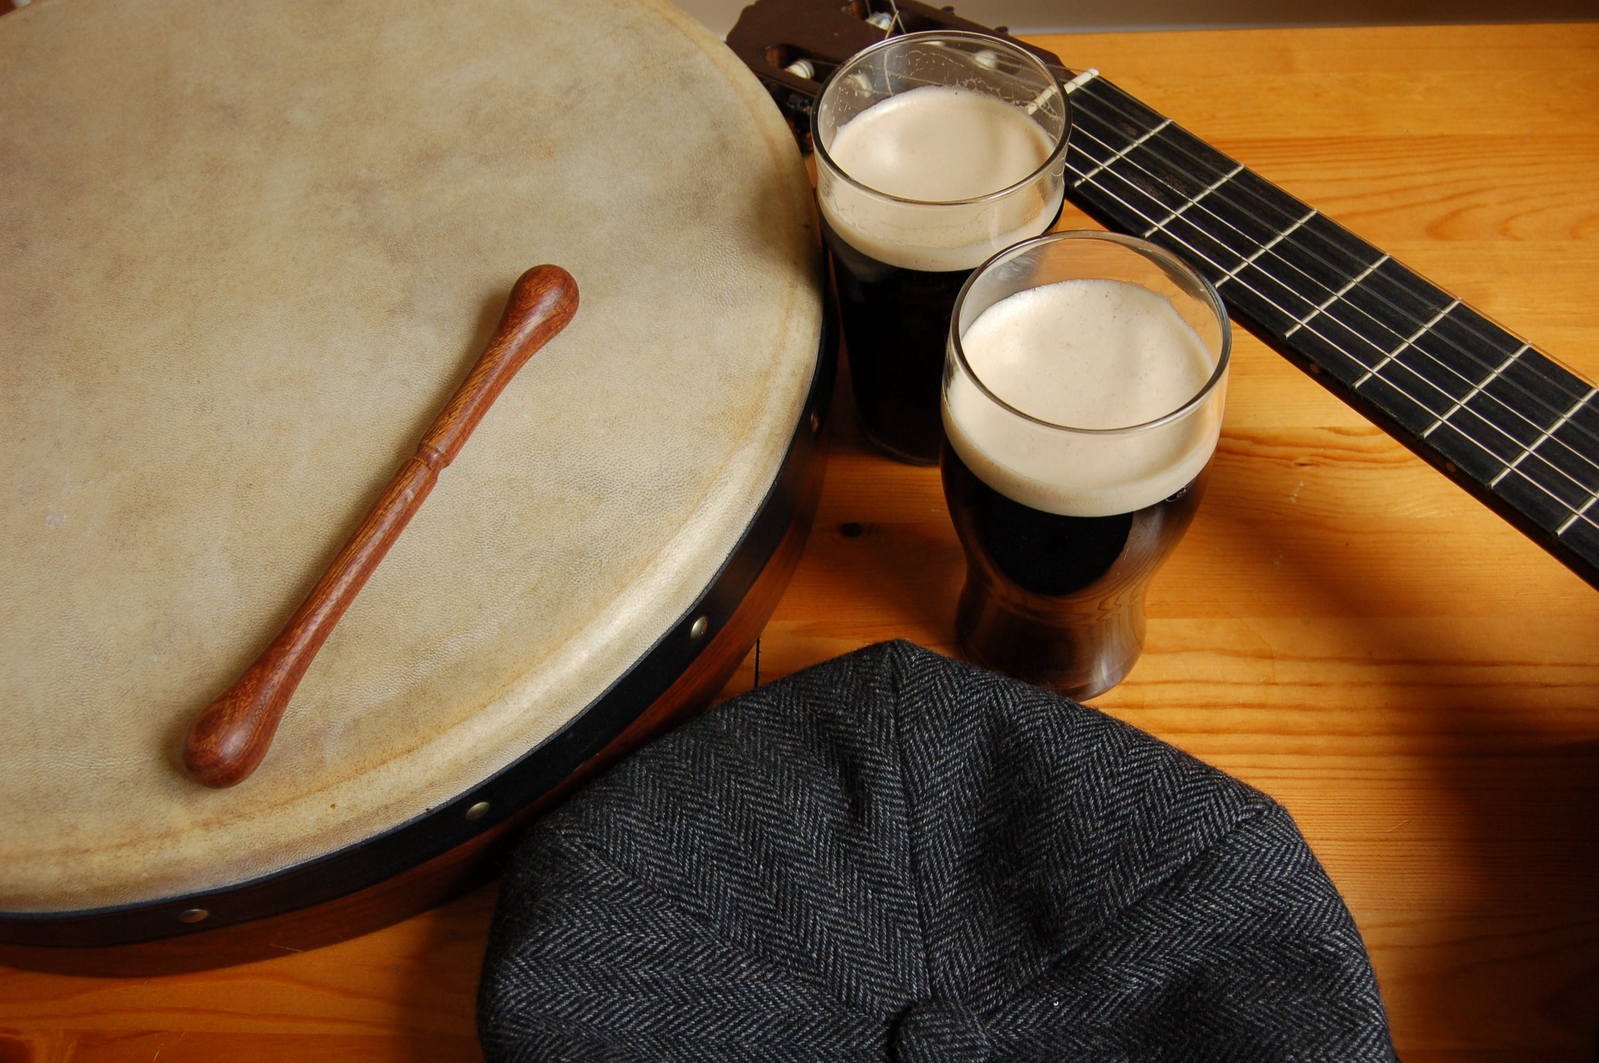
(250, 249)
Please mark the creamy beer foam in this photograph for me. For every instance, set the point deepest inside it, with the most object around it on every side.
(1088, 354)
(938, 144)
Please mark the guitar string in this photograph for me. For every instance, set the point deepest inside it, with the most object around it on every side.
(1574, 512)
(1336, 297)
(1525, 450)
(1107, 86)
(1545, 433)
(1562, 417)
(1233, 276)
(1571, 511)
(1573, 399)
(896, 21)
(1555, 414)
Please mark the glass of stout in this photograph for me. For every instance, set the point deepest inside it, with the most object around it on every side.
(933, 151)
(1082, 400)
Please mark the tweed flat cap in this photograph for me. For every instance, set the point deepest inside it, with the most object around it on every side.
(897, 857)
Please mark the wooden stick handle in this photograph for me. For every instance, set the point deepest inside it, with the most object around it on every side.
(228, 739)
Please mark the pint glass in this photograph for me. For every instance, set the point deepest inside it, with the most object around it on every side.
(933, 151)
(1082, 401)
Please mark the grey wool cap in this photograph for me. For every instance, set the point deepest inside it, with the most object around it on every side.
(898, 857)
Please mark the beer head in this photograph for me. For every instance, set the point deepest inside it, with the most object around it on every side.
(1085, 374)
(936, 149)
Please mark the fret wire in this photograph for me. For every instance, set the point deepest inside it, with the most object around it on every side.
(1552, 429)
(1414, 336)
(1174, 215)
(1231, 275)
(1122, 153)
(1581, 514)
(1531, 397)
(1339, 294)
(1263, 248)
(1461, 402)
(1575, 513)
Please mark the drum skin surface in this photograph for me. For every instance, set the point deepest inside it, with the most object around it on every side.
(251, 249)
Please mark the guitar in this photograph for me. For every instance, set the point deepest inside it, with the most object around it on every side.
(1499, 417)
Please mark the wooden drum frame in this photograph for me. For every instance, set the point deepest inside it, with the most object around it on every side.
(220, 213)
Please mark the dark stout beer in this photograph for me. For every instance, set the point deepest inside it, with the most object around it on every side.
(916, 191)
(895, 322)
(1058, 599)
(1069, 480)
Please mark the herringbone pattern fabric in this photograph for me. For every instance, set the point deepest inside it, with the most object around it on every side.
(894, 856)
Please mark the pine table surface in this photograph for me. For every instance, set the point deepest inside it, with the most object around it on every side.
(1342, 627)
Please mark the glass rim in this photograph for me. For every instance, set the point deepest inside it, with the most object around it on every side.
(1144, 247)
(1056, 153)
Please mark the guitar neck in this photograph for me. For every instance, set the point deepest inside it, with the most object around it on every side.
(1497, 416)
(1492, 412)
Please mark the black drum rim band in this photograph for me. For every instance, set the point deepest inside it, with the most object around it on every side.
(509, 791)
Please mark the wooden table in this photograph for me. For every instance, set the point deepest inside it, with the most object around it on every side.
(1342, 627)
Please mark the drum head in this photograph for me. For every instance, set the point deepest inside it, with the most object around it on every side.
(251, 248)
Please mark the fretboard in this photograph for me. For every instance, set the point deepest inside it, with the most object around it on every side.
(1496, 415)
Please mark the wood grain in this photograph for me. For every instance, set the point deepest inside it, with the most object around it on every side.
(1342, 627)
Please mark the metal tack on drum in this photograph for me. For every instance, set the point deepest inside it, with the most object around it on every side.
(251, 261)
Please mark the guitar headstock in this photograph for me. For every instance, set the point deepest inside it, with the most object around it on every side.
(793, 45)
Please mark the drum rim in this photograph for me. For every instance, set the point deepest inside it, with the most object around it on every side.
(67, 871)
(511, 790)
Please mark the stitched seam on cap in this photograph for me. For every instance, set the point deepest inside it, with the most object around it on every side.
(584, 846)
(1250, 815)
(912, 841)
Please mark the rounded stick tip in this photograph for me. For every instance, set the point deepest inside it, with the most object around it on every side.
(229, 739)
(546, 295)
